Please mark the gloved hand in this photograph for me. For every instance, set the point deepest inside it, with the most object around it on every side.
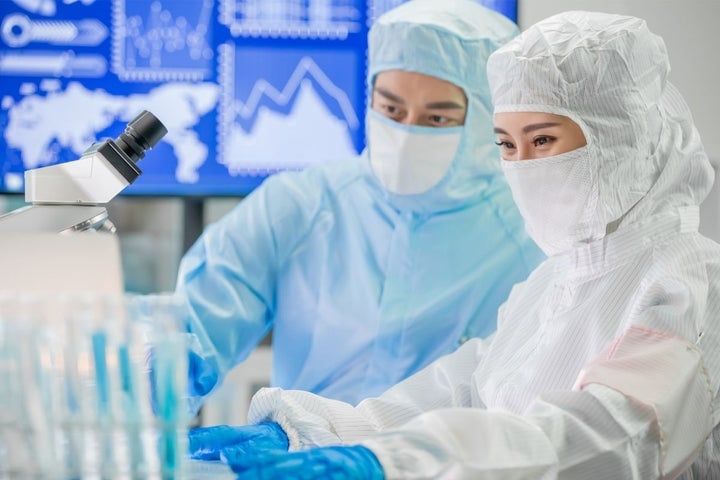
(339, 463)
(207, 443)
(202, 376)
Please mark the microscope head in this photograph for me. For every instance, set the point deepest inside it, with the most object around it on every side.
(69, 197)
(103, 170)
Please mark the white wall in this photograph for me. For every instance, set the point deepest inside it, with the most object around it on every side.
(150, 233)
(691, 31)
(216, 208)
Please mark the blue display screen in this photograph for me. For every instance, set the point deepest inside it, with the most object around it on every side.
(246, 88)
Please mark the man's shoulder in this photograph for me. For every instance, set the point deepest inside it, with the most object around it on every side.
(309, 190)
(318, 178)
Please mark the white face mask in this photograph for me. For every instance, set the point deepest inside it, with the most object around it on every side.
(410, 159)
(557, 197)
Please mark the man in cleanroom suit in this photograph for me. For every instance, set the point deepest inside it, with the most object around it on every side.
(369, 269)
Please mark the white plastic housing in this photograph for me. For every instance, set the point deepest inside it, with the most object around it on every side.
(91, 179)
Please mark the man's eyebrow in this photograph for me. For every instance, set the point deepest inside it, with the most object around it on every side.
(444, 105)
(389, 95)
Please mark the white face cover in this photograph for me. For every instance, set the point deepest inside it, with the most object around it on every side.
(410, 159)
(555, 197)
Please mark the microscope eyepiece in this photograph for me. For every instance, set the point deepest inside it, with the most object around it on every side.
(142, 133)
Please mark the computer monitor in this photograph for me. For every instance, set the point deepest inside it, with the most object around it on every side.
(246, 88)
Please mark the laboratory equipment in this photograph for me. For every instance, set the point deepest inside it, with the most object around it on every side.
(75, 391)
(228, 78)
(70, 196)
(75, 387)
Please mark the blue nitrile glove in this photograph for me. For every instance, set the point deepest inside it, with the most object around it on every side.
(206, 443)
(202, 376)
(338, 463)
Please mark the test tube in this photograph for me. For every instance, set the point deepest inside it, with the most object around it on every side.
(14, 446)
(72, 416)
(75, 390)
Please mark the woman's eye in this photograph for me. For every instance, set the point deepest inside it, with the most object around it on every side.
(504, 145)
(540, 141)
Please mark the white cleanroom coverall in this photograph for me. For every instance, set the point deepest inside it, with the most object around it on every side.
(606, 361)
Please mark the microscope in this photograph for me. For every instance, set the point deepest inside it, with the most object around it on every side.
(70, 197)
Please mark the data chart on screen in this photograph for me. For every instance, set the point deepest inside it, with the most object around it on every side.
(246, 88)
